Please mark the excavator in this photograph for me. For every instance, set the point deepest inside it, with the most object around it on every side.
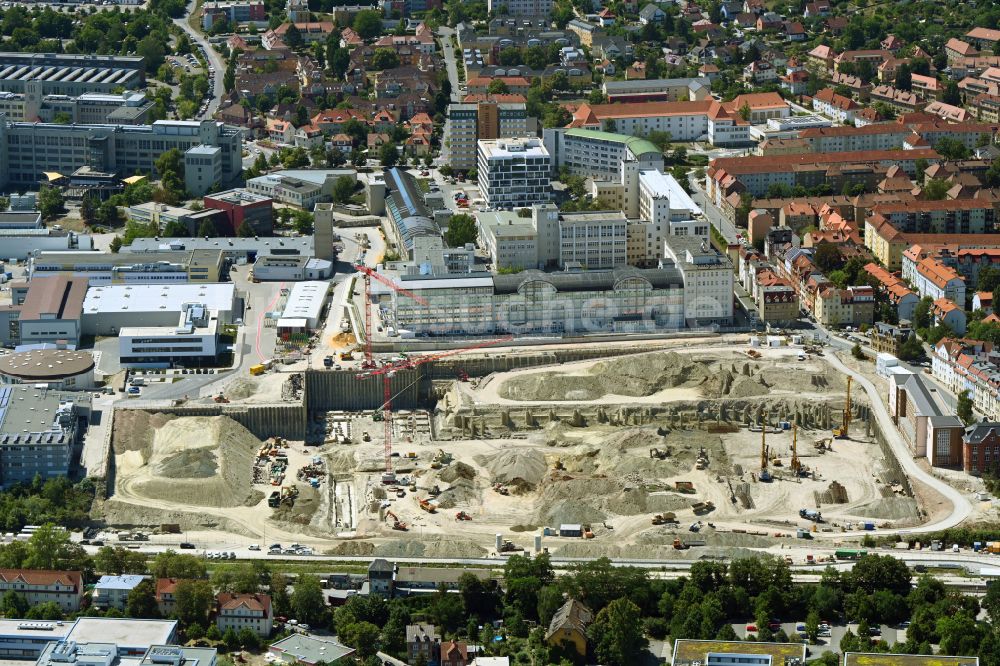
(462, 515)
(841, 432)
(764, 475)
(397, 524)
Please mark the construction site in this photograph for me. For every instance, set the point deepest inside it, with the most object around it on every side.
(703, 443)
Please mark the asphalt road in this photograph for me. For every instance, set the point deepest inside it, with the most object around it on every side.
(712, 212)
(444, 34)
(213, 58)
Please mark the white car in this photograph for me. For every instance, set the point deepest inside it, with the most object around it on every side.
(253, 546)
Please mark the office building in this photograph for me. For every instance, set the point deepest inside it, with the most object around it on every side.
(194, 339)
(491, 117)
(241, 207)
(212, 151)
(71, 74)
(309, 650)
(884, 659)
(288, 190)
(234, 12)
(688, 652)
(232, 250)
(514, 172)
(127, 108)
(708, 280)
(39, 429)
(669, 210)
(39, 586)
(161, 215)
(101, 268)
(108, 309)
(535, 303)
(291, 268)
(45, 310)
(244, 611)
(600, 155)
(20, 220)
(73, 653)
(59, 369)
(520, 7)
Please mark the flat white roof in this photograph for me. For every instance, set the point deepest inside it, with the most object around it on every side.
(666, 185)
(118, 298)
(49, 629)
(306, 300)
(124, 632)
(504, 149)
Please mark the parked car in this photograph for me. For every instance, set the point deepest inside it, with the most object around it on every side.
(751, 628)
(187, 545)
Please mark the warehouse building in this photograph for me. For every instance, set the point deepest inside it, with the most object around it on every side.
(101, 268)
(409, 217)
(212, 151)
(71, 74)
(59, 369)
(21, 243)
(304, 308)
(108, 309)
(233, 250)
(275, 268)
(39, 429)
(622, 300)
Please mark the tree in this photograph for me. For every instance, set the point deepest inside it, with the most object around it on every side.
(388, 155)
(280, 600)
(904, 78)
(911, 349)
(368, 24)
(248, 639)
(206, 229)
(293, 37)
(4, 203)
(745, 111)
(922, 313)
(116, 244)
(14, 604)
(857, 352)
(828, 257)
(384, 58)
(50, 548)
(142, 600)
(50, 202)
(170, 168)
(362, 636)
(446, 610)
(617, 633)
(480, 598)
(951, 149)
(936, 189)
(461, 230)
(171, 564)
(951, 94)
(498, 87)
(878, 572)
(964, 408)
(343, 189)
(117, 560)
(307, 600)
(192, 601)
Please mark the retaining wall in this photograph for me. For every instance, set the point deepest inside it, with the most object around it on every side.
(285, 420)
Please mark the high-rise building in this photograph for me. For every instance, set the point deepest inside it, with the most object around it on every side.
(513, 172)
(495, 117)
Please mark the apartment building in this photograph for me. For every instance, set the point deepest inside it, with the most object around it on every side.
(483, 117)
(244, 611)
(981, 448)
(520, 7)
(71, 74)
(895, 290)
(600, 155)
(39, 586)
(852, 306)
(931, 278)
(839, 108)
(39, 431)
(929, 427)
(233, 12)
(756, 173)
(113, 591)
(513, 172)
(657, 90)
(212, 151)
(947, 216)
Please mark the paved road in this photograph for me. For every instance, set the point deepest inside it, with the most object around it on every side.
(213, 58)
(961, 506)
(712, 212)
(444, 34)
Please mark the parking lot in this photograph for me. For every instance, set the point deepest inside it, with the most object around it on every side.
(829, 639)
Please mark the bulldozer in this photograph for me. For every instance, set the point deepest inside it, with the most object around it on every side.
(441, 459)
(507, 546)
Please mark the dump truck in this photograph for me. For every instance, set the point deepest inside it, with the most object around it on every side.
(258, 369)
(811, 514)
(426, 505)
(702, 507)
(664, 519)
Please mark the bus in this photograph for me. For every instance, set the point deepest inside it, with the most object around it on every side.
(850, 554)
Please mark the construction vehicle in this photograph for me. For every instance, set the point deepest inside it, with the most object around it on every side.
(463, 376)
(397, 524)
(346, 355)
(257, 369)
(426, 505)
(587, 533)
(702, 507)
(680, 545)
(665, 519)
(702, 461)
(274, 499)
(842, 431)
(811, 514)
(658, 454)
(462, 515)
(507, 546)
(221, 398)
(435, 491)
(753, 353)
(365, 437)
(796, 464)
(500, 488)
(764, 475)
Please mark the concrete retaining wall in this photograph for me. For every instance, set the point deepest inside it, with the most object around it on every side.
(285, 420)
(332, 390)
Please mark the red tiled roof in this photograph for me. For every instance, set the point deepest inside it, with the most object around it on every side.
(45, 577)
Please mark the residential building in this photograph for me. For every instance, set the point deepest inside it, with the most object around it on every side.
(234, 12)
(520, 7)
(483, 117)
(708, 280)
(895, 289)
(837, 107)
(948, 216)
(983, 300)
(380, 578)
(39, 430)
(945, 312)
(930, 429)
(113, 591)
(212, 151)
(933, 279)
(888, 338)
(39, 586)
(454, 653)
(166, 595)
(71, 74)
(513, 172)
(852, 306)
(568, 626)
(981, 448)
(244, 611)
(657, 90)
(423, 642)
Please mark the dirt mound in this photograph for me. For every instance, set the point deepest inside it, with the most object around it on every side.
(241, 389)
(302, 511)
(134, 429)
(461, 493)
(353, 548)
(635, 376)
(457, 471)
(521, 467)
(889, 508)
(437, 548)
(197, 460)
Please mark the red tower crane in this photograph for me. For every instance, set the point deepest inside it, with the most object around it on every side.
(369, 363)
(388, 370)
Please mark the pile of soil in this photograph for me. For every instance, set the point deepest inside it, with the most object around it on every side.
(522, 468)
